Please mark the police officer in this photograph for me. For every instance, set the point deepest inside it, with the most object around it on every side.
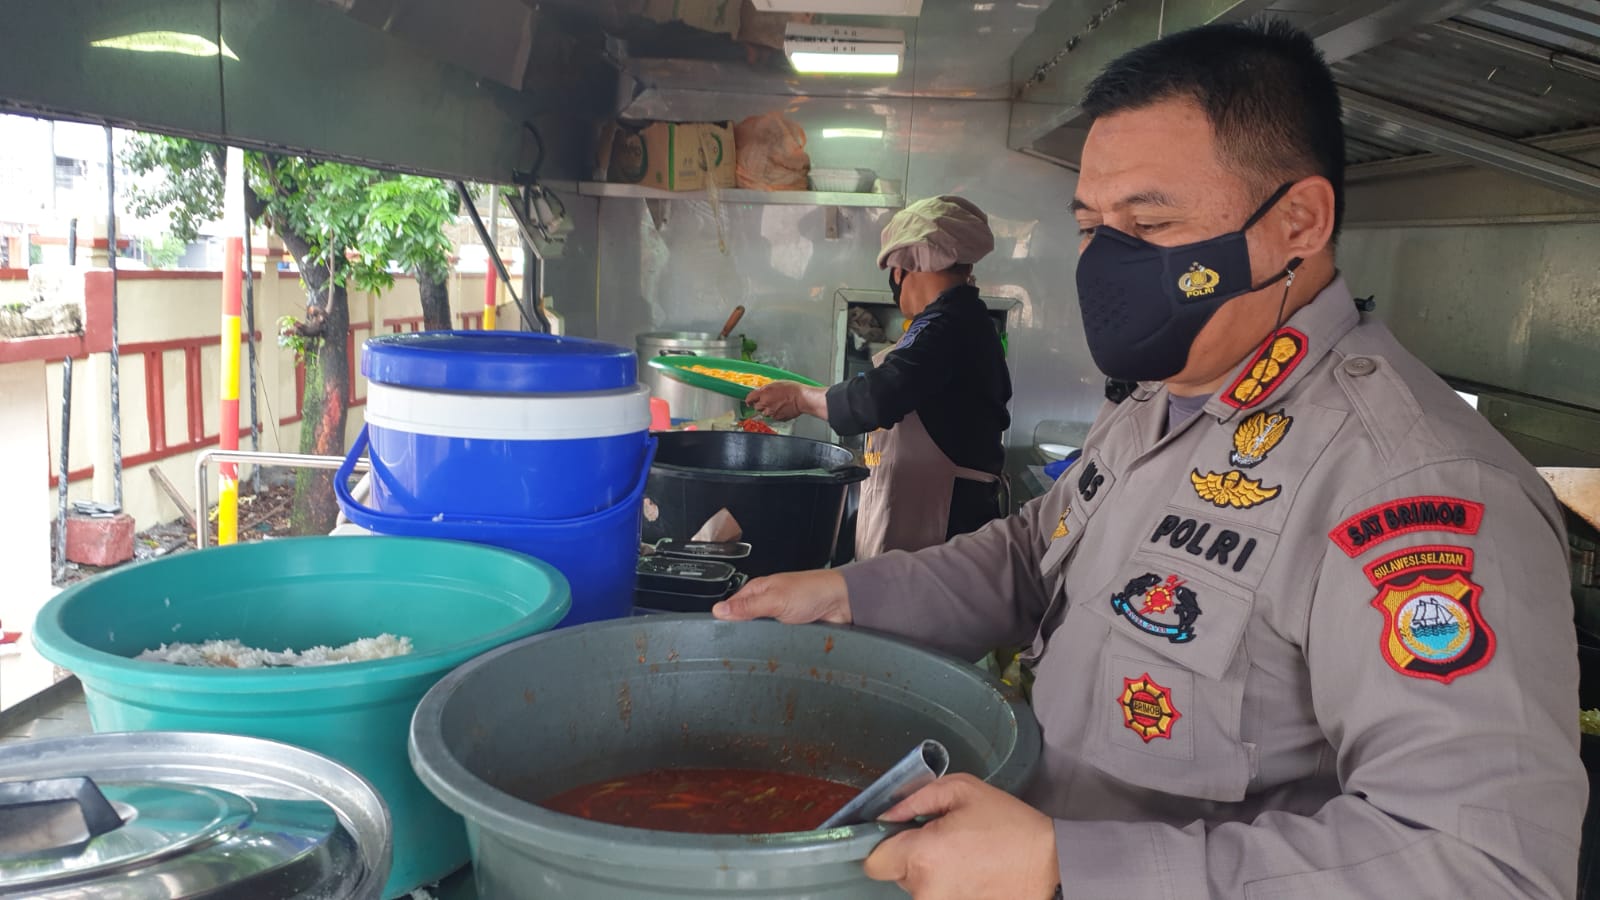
(1300, 617)
(934, 405)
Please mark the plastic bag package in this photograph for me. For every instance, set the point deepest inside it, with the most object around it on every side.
(771, 154)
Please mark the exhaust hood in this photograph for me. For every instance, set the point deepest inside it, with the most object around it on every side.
(1487, 82)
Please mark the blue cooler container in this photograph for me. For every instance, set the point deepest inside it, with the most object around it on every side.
(598, 553)
(523, 441)
(502, 424)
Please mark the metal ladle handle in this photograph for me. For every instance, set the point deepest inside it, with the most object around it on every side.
(918, 769)
(20, 815)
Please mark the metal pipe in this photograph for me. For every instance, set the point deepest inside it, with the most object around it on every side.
(538, 258)
(1426, 131)
(72, 240)
(66, 450)
(116, 349)
(250, 335)
(1556, 59)
(494, 256)
(202, 467)
(925, 764)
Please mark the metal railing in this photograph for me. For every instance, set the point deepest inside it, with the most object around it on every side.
(202, 466)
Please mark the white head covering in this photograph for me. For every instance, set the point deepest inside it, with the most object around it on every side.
(934, 234)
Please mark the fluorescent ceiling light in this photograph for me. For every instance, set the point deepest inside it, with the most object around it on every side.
(873, 133)
(843, 7)
(176, 42)
(843, 50)
(852, 64)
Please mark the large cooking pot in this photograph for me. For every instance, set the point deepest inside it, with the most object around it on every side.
(687, 403)
(786, 493)
(531, 719)
(170, 815)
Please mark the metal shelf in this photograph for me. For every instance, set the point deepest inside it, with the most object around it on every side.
(735, 195)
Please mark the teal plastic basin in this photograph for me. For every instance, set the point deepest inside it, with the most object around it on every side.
(454, 600)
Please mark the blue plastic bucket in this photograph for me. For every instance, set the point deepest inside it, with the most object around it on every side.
(598, 553)
(455, 602)
(502, 424)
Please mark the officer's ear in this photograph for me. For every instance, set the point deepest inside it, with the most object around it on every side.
(1306, 217)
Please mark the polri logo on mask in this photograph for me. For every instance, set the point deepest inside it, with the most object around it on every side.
(1199, 281)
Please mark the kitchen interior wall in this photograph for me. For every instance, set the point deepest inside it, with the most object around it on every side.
(672, 266)
(1490, 280)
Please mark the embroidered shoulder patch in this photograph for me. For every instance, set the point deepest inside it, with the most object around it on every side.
(1280, 353)
(1415, 559)
(1147, 708)
(916, 328)
(1371, 527)
(1433, 627)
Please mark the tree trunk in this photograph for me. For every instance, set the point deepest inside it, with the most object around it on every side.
(435, 301)
(325, 404)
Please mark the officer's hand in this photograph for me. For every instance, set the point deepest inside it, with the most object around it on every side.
(985, 844)
(785, 400)
(794, 597)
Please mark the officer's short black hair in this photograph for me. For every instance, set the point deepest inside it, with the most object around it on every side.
(1265, 87)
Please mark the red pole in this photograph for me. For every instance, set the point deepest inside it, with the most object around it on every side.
(232, 281)
(490, 294)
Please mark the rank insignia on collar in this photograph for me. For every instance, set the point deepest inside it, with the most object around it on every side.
(1279, 355)
(1231, 489)
(1156, 598)
(1432, 626)
(1061, 527)
(1257, 435)
(1147, 708)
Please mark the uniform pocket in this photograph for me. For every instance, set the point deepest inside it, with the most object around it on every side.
(1067, 532)
(1170, 687)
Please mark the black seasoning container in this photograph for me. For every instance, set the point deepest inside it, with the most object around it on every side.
(672, 584)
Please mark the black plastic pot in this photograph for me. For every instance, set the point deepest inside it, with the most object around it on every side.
(787, 494)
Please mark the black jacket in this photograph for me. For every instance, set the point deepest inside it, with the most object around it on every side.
(949, 368)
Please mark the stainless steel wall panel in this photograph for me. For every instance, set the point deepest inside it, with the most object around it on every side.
(1511, 306)
(660, 266)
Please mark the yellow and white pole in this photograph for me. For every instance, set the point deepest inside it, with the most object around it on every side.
(232, 281)
(491, 288)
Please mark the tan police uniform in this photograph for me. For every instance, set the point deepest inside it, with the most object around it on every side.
(1315, 642)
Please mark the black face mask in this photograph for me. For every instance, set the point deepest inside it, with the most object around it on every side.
(1143, 305)
(896, 286)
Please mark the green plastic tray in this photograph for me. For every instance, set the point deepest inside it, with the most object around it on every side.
(677, 368)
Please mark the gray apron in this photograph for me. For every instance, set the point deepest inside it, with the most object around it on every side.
(905, 503)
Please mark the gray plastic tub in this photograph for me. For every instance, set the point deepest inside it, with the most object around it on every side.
(526, 721)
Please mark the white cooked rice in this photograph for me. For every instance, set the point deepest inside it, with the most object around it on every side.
(233, 654)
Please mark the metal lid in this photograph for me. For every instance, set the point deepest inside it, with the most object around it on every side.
(172, 815)
(498, 362)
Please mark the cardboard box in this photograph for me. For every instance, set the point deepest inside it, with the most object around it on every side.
(721, 16)
(671, 156)
(767, 29)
